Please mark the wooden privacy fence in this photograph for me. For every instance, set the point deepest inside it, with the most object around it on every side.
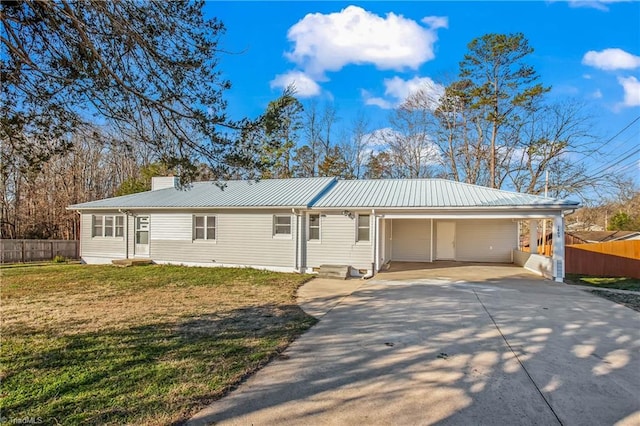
(612, 259)
(14, 251)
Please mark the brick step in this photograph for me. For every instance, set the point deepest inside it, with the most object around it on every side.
(334, 271)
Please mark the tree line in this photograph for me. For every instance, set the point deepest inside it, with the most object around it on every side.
(99, 96)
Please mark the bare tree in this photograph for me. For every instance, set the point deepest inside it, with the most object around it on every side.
(551, 138)
(33, 202)
(410, 144)
(457, 129)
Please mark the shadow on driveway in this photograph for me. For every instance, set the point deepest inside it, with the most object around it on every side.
(506, 350)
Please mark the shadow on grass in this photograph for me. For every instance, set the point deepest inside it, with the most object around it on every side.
(157, 372)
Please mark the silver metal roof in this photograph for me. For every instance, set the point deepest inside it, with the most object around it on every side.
(328, 193)
(426, 193)
(300, 192)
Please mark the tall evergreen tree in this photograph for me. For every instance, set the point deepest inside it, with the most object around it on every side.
(501, 83)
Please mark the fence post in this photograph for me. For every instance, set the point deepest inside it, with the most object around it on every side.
(22, 251)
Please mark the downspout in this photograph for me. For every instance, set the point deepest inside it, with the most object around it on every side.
(431, 242)
(296, 256)
(126, 233)
(373, 250)
(126, 236)
(79, 253)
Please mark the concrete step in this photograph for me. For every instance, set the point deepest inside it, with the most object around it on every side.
(131, 262)
(334, 271)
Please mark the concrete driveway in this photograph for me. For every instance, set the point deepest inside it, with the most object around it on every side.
(443, 347)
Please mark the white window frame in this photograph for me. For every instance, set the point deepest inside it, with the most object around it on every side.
(117, 224)
(358, 227)
(319, 227)
(206, 227)
(288, 235)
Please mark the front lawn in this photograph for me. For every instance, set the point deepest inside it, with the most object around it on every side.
(139, 345)
(605, 282)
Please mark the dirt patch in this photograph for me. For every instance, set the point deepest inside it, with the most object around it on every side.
(629, 300)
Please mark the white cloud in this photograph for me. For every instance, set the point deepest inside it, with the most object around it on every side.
(356, 36)
(397, 90)
(611, 59)
(594, 4)
(631, 87)
(375, 101)
(435, 22)
(597, 94)
(378, 139)
(305, 86)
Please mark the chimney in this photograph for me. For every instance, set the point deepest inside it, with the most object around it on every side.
(163, 182)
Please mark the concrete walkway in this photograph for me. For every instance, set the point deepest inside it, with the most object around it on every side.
(437, 349)
(320, 295)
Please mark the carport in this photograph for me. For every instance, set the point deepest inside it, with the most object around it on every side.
(480, 236)
(427, 220)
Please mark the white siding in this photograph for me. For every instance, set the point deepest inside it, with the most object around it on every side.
(99, 247)
(168, 226)
(411, 240)
(486, 240)
(243, 238)
(338, 244)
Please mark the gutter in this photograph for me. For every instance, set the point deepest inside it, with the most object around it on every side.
(449, 208)
(189, 208)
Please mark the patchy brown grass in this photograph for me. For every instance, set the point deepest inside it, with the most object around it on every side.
(144, 345)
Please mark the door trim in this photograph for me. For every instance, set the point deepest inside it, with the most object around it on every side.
(140, 227)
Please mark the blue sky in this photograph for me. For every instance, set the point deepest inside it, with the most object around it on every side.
(586, 50)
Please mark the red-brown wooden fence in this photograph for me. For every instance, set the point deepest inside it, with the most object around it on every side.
(612, 259)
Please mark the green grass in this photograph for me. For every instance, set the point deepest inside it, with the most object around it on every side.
(140, 345)
(619, 283)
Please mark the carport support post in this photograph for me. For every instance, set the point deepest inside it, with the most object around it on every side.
(558, 248)
(533, 236)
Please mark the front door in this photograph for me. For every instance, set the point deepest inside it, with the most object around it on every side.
(142, 236)
(445, 241)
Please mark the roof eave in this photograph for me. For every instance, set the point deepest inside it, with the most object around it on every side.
(77, 208)
(515, 207)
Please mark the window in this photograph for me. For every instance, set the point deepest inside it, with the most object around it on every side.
(119, 226)
(204, 228)
(97, 226)
(108, 226)
(364, 225)
(314, 227)
(281, 225)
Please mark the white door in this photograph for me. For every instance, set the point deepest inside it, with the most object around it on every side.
(445, 241)
(142, 236)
